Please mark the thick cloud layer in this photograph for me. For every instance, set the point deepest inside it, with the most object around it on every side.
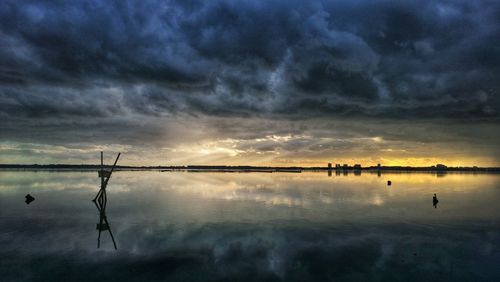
(132, 66)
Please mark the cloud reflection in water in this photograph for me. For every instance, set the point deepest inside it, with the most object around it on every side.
(247, 227)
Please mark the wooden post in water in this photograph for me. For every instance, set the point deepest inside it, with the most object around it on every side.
(101, 200)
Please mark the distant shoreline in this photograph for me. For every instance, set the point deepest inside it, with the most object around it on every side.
(208, 168)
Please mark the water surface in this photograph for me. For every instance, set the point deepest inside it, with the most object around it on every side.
(180, 226)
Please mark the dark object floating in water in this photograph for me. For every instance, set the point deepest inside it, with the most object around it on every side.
(29, 199)
(435, 201)
(389, 183)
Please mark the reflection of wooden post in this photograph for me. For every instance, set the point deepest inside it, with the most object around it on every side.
(99, 235)
(110, 233)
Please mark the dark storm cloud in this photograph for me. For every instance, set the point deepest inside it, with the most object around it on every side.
(410, 59)
(164, 72)
(64, 41)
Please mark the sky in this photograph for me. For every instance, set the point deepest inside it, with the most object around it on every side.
(250, 82)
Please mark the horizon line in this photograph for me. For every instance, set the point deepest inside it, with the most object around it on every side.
(341, 167)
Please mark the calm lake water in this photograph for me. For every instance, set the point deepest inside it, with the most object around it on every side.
(180, 226)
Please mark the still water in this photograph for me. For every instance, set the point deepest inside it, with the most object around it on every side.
(180, 226)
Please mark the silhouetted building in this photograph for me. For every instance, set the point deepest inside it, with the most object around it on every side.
(345, 166)
(357, 166)
(329, 166)
(441, 166)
